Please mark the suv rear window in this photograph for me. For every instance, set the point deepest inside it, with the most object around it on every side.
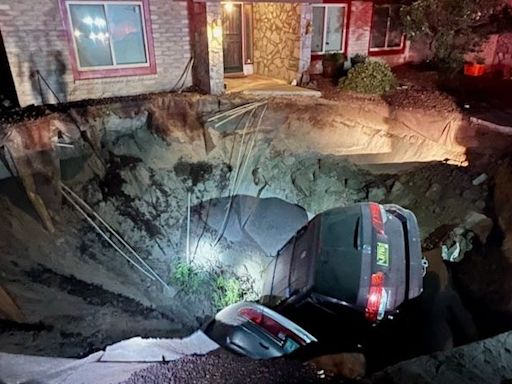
(338, 271)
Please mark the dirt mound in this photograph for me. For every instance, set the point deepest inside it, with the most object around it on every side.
(421, 99)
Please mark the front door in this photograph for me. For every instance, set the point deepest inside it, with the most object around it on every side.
(7, 88)
(232, 38)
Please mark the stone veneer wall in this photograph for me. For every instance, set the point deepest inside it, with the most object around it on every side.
(35, 39)
(282, 48)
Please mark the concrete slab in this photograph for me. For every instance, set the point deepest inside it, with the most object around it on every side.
(138, 349)
(114, 365)
(258, 85)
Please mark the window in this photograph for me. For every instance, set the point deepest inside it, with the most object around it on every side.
(328, 28)
(387, 33)
(109, 38)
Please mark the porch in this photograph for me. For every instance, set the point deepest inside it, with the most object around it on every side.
(259, 85)
(263, 46)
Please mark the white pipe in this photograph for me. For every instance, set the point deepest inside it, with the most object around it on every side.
(251, 147)
(128, 246)
(98, 229)
(188, 228)
(235, 180)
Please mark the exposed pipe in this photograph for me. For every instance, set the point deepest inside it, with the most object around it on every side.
(232, 188)
(188, 228)
(102, 234)
(116, 235)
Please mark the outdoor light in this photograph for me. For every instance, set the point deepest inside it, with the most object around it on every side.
(92, 36)
(228, 7)
(88, 20)
(217, 30)
(77, 33)
(100, 22)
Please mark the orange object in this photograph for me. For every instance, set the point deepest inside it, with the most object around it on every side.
(474, 69)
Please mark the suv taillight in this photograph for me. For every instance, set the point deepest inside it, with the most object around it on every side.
(377, 298)
(377, 219)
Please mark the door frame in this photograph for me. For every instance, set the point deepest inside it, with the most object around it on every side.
(246, 67)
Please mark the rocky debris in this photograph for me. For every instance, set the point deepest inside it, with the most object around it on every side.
(502, 199)
(434, 192)
(377, 194)
(461, 237)
(348, 365)
(488, 361)
(480, 179)
(478, 223)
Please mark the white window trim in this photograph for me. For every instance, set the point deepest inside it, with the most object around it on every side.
(114, 66)
(345, 15)
(386, 48)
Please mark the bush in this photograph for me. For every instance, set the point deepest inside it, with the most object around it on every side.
(188, 277)
(221, 288)
(227, 291)
(373, 77)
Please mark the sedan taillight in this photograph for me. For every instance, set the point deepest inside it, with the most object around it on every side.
(269, 325)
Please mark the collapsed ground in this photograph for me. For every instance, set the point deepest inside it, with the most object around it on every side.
(77, 294)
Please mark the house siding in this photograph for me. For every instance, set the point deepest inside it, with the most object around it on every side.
(359, 35)
(35, 39)
(359, 29)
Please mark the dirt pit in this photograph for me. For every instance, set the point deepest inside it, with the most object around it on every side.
(77, 294)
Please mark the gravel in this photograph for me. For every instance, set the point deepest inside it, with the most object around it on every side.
(224, 367)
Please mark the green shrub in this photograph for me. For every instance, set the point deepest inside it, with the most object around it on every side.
(372, 77)
(219, 287)
(188, 277)
(227, 291)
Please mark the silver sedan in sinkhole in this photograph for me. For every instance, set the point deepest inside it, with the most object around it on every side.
(253, 330)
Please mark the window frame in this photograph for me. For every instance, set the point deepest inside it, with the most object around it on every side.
(382, 51)
(116, 70)
(324, 34)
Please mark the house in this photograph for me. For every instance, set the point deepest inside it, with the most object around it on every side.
(66, 50)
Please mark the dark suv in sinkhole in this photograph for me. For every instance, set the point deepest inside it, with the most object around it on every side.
(365, 257)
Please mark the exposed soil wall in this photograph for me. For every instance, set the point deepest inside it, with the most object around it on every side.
(141, 159)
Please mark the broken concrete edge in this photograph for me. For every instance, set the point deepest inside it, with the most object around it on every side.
(24, 368)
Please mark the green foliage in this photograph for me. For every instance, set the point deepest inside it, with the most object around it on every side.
(227, 291)
(372, 77)
(188, 277)
(452, 28)
(218, 286)
(358, 58)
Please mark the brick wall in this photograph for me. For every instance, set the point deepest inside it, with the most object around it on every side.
(359, 34)
(359, 30)
(35, 38)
